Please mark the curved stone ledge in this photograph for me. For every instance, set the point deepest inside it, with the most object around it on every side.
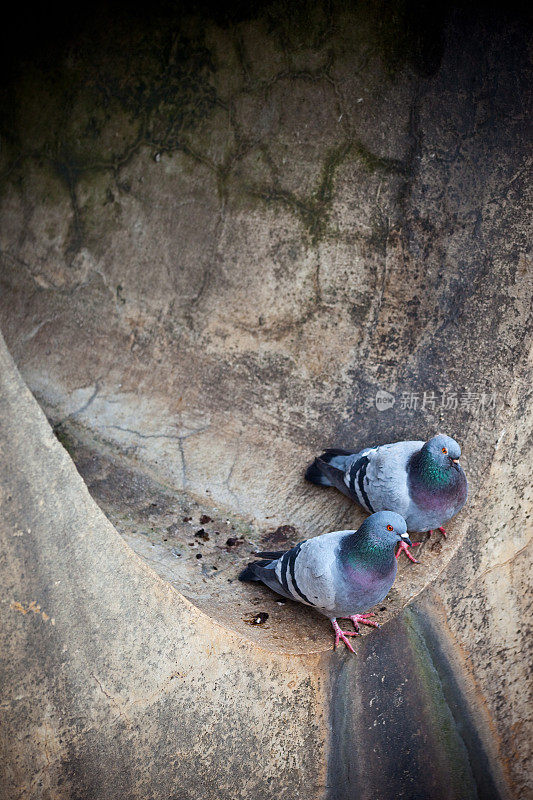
(216, 247)
(122, 683)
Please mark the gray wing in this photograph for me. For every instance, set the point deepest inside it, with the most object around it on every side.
(309, 571)
(386, 476)
(377, 477)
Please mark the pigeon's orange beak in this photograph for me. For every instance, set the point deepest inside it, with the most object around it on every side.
(455, 460)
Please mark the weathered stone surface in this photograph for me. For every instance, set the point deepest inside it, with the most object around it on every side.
(112, 682)
(220, 236)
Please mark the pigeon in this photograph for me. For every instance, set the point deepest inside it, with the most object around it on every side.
(421, 481)
(341, 574)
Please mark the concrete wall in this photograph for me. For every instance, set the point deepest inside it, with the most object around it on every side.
(221, 234)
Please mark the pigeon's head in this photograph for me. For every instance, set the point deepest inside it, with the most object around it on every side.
(444, 450)
(387, 526)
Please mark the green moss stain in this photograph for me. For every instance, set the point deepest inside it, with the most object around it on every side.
(454, 755)
(150, 87)
(314, 210)
(87, 115)
(64, 438)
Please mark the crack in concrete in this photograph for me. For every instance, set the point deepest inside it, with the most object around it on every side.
(312, 211)
(498, 565)
(70, 174)
(82, 408)
(29, 269)
(122, 706)
(89, 402)
(35, 330)
(226, 482)
(208, 271)
(118, 705)
(376, 301)
(177, 437)
(184, 478)
(144, 435)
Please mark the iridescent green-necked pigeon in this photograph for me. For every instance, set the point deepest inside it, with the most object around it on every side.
(341, 574)
(421, 481)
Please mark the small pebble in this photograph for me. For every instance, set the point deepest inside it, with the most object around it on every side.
(233, 541)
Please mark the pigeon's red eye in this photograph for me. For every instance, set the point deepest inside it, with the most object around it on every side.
(444, 451)
(390, 528)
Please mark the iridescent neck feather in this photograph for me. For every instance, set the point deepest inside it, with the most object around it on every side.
(427, 470)
(368, 551)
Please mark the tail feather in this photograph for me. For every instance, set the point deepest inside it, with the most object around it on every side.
(329, 455)
(264, 571)
(313, 474)
(318, 473)
(334, 476)
(253, 571)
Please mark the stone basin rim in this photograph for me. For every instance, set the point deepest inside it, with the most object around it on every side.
(81, 430)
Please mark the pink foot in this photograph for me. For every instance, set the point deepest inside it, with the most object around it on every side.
(441, 530)
(362, 618)
(405, 549)
(342, 635)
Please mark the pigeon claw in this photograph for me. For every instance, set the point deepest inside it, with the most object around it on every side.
(404, 548)
(441, 530)
(362, 618)
(339, 634)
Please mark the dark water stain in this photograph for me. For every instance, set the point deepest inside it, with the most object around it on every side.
(486, 772)
(400, 723)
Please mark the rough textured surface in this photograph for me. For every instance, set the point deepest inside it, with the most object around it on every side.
(230, 235)
(111, 681)
(221, 235)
